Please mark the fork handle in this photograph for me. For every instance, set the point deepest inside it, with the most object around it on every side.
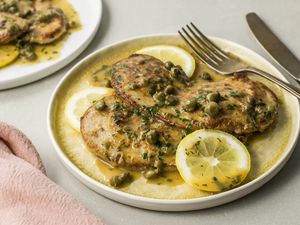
(288, 87)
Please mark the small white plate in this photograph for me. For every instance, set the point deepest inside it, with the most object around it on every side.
(90, 13)
(184, 204)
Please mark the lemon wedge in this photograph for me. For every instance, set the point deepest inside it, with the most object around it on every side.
(212, 160)
(81, 101)
(176, 55)
(8, 54)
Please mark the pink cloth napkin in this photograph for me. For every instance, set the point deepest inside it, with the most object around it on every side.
(27, 196)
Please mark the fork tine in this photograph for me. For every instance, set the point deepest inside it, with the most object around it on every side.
(210, 44)
(200, 48)
(208, 51)
(191, 46)
(202, 57)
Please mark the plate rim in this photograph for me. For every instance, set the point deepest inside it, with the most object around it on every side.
(14, 82)
(167, 204)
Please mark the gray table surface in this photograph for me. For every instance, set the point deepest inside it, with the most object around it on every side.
(277, 202)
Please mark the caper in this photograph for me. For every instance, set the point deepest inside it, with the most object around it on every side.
(159, 96)
(191, 105)
(205, 76)
(118, 180)
(213, 97)
(114, 181)
(171, 100)
(107, 83)
(169, 65)
(14, 29)
(152, 137)
(100, 105)
(169, 90)
(150, 174)
(153, 89)
(212, 109)
(176, 71)
(145, 154)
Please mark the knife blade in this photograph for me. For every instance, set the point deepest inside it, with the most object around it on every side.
(274, 46)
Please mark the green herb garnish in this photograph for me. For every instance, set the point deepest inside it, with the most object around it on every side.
(231, 107)
(234, 94)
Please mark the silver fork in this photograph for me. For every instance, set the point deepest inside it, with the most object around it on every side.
(222, 62)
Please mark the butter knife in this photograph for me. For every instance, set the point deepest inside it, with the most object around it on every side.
(274, 46)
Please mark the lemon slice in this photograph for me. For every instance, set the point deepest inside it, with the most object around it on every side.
(212, 160)
(81, 101)
(8, 54)
(176, 55)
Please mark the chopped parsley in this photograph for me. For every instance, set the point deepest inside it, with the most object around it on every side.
(189, 129)
(153, 110)
(234, 94)
(231, 106)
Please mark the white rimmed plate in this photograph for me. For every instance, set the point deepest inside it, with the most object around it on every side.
(90, 13)
(184, 204)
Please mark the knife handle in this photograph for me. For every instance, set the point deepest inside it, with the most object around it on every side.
(288, 87)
